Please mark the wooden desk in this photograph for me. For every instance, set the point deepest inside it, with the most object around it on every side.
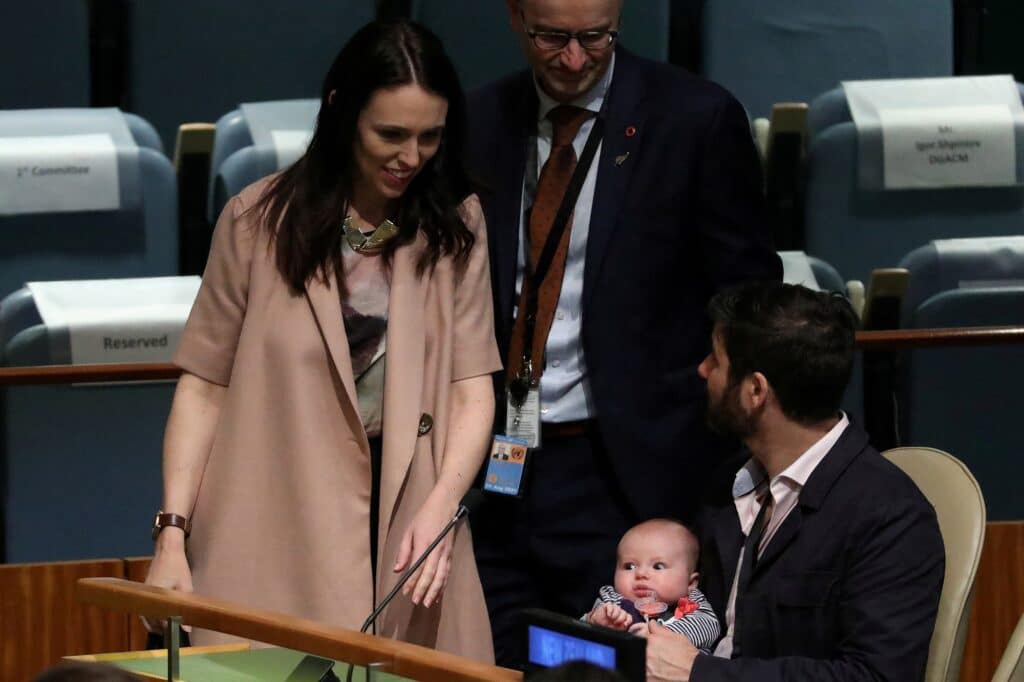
(229, 662)
(397, 658)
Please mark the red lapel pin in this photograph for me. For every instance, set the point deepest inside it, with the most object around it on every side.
(630, 131)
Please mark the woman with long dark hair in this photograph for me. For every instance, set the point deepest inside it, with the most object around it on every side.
(336, 402)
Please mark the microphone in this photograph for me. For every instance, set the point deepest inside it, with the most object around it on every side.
(470, 502)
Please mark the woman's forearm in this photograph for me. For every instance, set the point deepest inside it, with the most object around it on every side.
(469, 436)
(188, 438)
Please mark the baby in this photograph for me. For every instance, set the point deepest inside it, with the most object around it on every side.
(656, 578)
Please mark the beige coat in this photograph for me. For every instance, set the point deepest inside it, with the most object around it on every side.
(282, 515)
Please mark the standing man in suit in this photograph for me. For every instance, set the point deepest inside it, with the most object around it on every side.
(824, 561)
(601, 364)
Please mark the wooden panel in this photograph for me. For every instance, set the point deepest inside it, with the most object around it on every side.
(136, 569)
(42, 621)
(998, 600)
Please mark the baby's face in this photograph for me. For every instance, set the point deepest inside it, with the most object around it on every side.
(653, 561)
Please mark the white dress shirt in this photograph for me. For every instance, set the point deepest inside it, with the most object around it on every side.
(564, 389)
(784, 488)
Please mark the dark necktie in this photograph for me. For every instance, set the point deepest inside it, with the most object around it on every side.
(551, 187)
(750, 551)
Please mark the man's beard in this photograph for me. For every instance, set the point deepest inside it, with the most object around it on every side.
(725, 416)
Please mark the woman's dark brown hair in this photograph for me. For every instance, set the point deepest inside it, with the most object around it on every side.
(304, 206)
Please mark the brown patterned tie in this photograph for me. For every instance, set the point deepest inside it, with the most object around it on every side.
(551, 187)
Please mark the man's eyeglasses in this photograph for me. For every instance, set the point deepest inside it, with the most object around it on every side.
(557, 40)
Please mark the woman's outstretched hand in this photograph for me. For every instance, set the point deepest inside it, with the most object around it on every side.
(428, 582)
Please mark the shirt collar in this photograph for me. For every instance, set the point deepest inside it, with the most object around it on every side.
(591, 100)
(753, 474)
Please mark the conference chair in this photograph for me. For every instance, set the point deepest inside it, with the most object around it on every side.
(139, 238)
(858, 230)
(81, 464)
(1011, 665)
(73, 452)
(192, 60)
(827, 276)
(791, 50)
(830, 108)
(483, 47)
(282, 125)
(240, 170)
(814, 273)
(966, 263)
(960, 509)
(963, 398)
(143, 132)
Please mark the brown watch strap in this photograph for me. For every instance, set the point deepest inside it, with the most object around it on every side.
(167, 519)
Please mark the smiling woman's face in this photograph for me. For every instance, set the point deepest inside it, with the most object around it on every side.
(397, 133)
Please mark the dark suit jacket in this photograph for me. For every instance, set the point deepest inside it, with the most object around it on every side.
(848, 587)
(679, 219)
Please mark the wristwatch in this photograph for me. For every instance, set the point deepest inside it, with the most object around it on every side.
(166, 519)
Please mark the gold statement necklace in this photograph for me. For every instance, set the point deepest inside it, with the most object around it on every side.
(368, 243)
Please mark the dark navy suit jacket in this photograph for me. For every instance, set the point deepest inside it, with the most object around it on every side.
(676, 220)
(849, 585)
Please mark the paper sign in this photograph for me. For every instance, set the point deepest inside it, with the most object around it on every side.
(937, 132)
(963, 146)
(60, 173)
(118, 320)
(290, 145)
(796, 269)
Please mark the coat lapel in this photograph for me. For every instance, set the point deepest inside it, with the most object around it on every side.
(326, 305)
(624, 130)
(729, 540)
(403, 377)
(852, 441)
(789, 529)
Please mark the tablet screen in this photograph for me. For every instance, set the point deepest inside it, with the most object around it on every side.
(548, 648)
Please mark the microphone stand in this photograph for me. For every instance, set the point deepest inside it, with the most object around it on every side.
(462, 511)
(412, 569)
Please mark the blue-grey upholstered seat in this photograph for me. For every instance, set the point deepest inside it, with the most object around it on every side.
(968, 263)
(239, 170)
(858, 230)
(233, 133)
(828, 277)
(91, 454)
(965, 399)
(99, 244)
(831, 107)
